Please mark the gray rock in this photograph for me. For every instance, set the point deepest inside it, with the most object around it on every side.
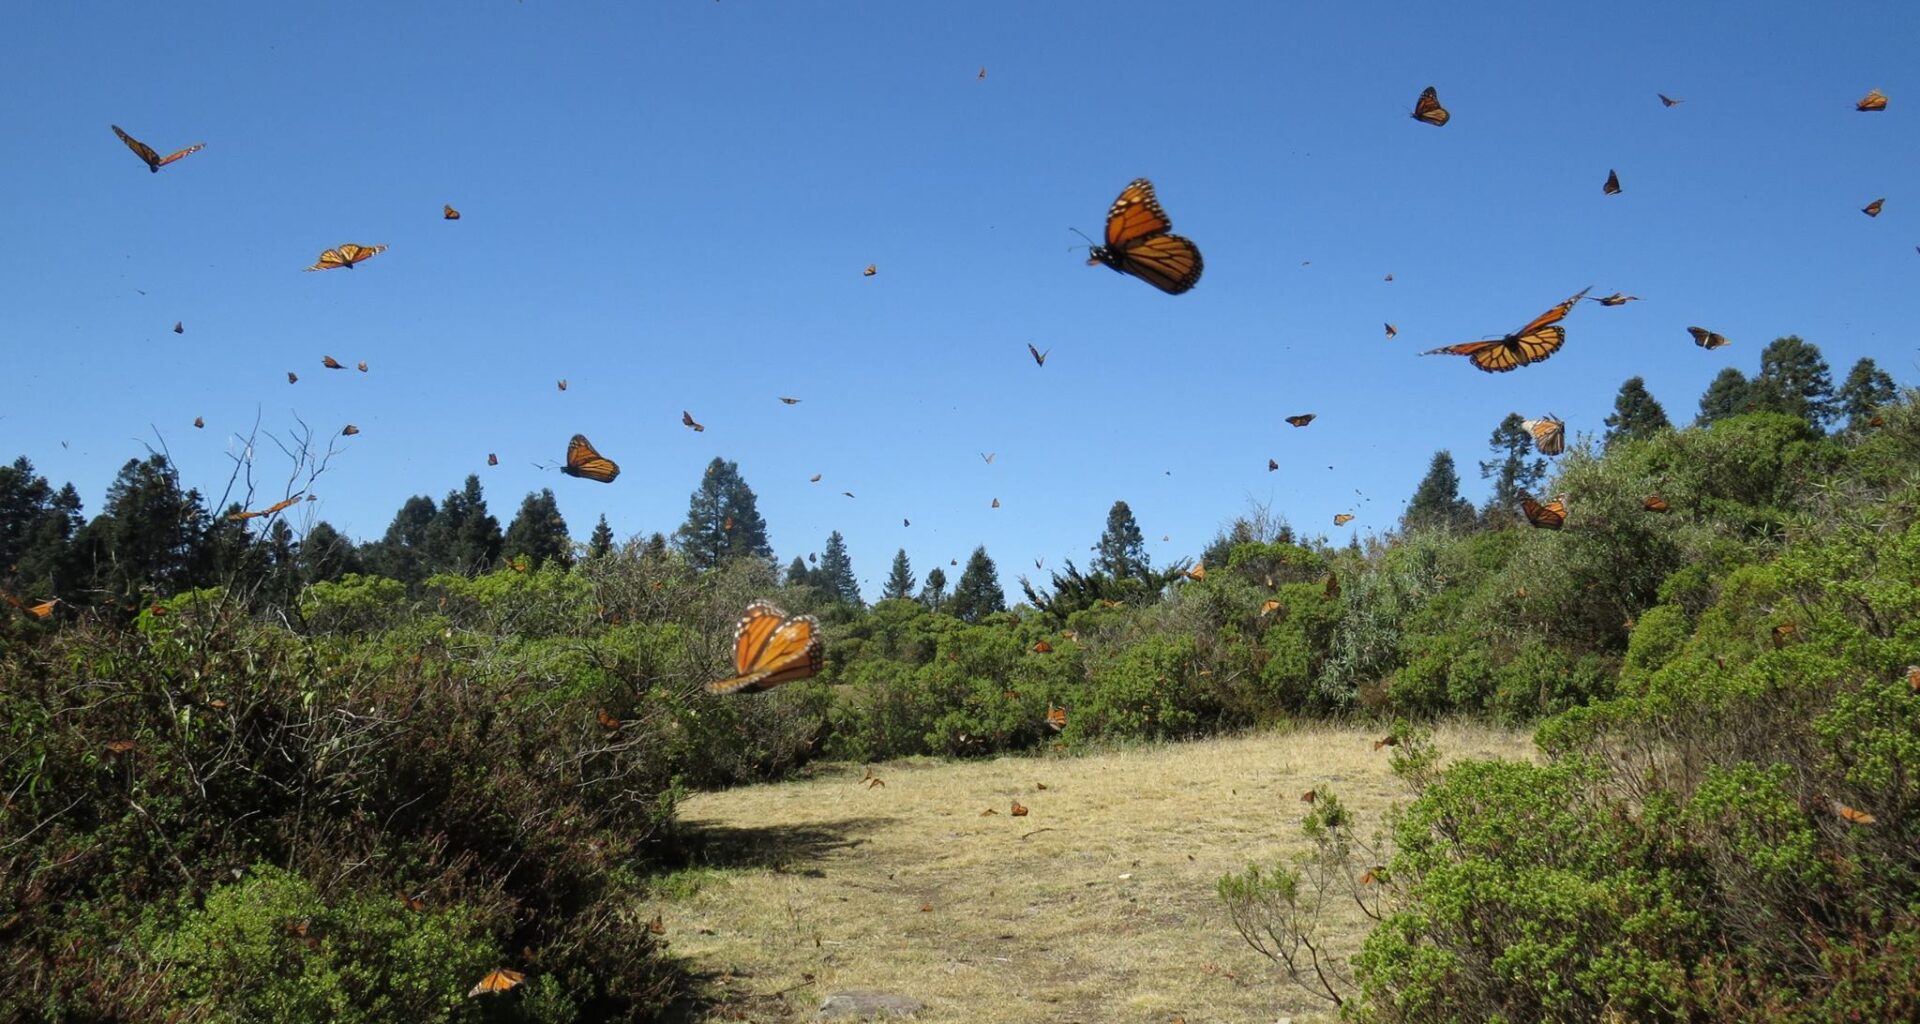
(864, 1005)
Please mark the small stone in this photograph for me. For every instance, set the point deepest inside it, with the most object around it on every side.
(863, 1005)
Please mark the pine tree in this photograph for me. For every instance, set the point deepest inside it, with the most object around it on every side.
(1635, 413)
(900, 581)
(836, 579)
(978, 593)
(797, 574)
(463, 537)
(280, 584)
(147, 535)
(1794, 379)
(1511, 471)
(1730, 394)
(1437, 502)
(600, 545)
(538, 532)
(403, 553)
(37, 527)
(326, 556)
(934, 593)
(723, 520)
(1867, 388)
(1122, 551)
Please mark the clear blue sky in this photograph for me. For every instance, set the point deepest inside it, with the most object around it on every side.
(669, 204)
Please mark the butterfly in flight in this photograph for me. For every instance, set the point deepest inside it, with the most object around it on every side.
(1668, 101)
(982, 74)
(814, 479)
(1042, 647)
(1655, 503)
(849, 494)
(1550, 516)
(996, 503)
(1707, 339)
(1873, 100)
(1389, 277)
(1303, 419)
(1272, 465)
(349, 430)
(1854, 815)
(1612, 187)
(292, 377)
(155, 161)
(498, 980)
(280, 506)
(1140, 242)
(563, 383)
(988, 456)
(585, 462)
(346, 256)
(871, 270)
(362, 366)
(331, 363)
(687, 419)
(1427, 109)
(199, 423)
(1342, 518)
(179, 327)
(1616, 299)
(1039, 357)
(789, 401)
(1533, 343)
(1873, 209)
(448, 212)
(1391, 331)
(904, 521)
(492, 459)
(771, 647)
(1549, 434)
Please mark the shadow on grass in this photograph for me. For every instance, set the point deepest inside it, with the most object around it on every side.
(788, 848)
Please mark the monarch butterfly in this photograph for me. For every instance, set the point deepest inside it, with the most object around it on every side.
(1873, 209)
(587, 463)
(1056, 718)
(982, 74)
(789, 401)
(1913, 678)
(1392, 331)
(1530, 344)
(492, 459)
(1550, 516)
(1655, 503)
(361, 366)
(1019, 810)
(770, 647)
(1272, 465)
(155, 161)
(1042, 647)
(848, 494)
(687, 418)
(1140, 242)
(1198, 572)
(657, 926)
(1612, 187)
(346, 256)
(499, 979)
(179, 327)
(413, 903)
(1389, 277)
(1038, 356)
(41, 610)
(1706, 339)
(1428, 109)
(988, 456)
(1873, 100)
(815, 478)
(871, 270)
(269, 510)
(1668, 101)
(1782, 631)
(1549, 434)
(1303, 419)
(1309, 796)
(904, 521)
(1853, 814)
(119, 746)
(1389, 740)
(606, 720)
(996, 503)
(1268, 607)
(331, 363)
(563, 383)
(349, 430)
(726, 525)
(1616, 299)
(1342, 518)
(199, 423)
(292, 377)
(448, 212)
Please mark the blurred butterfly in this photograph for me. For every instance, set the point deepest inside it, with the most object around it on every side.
(1342, 518)
(449, 213)
(1533, 343)
(587, 463)
(331, 363)
(1668, 101)
(1019, 810)
(1874, 100)
(815, 478)
(1374, 875)
(361, 366)
(1268, 607)
(1549, 434)
(1913, 678)
(349, 430)
(492, 459)
(1309, 796)
(904, 521)
(1389, 740)
(1272, 465)
(1392, 331)
(848, 494)
(1612, 187)
(790, 401)
(1198, 572)
(199, 423)
(1038, 356)
(1616, 299)
(1056, 718)
(1782, 632)
(179, 327)
(988, 456)
(1428, 109)
(657, 926)
(497, 980)
(155, 161)
(413, 903)
(269, 510)
(119, 746)
(1303, 419)
(563, 383)
(1873, 209)
(770, 647)
(346, 256)
(292, 377)
(1042, 647)
(1706, 339)
(726, 525)
(1389, 277)
(1854, 815)
(687, 418)
(813, 556)
(607, 721)
(996, 503)
(982, 74)
(1140, 242)
(1550, 516)
(1654, 503)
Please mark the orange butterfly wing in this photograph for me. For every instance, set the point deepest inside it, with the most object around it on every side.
(1343, 518)
(1550, 516)
(140, 149)
(1874, 100)
(1612, 187)
(1303, 419)
(1706, 339)
(1139, 242)
(1549, 434)
(1427, 108)
(770, 648)
(497, 980)
(447, 212)
(586, 463)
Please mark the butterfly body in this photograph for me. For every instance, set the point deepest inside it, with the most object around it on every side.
(771, 647)
(587, 463)
(1534, 343)
(1140, 242)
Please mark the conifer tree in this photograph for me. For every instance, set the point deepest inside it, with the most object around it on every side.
(836, 578)
(539, 532)
(1794, 379)
(326, 556)
(600, 545)
(1437, 502)
(1511, 470)
(463, 538)
(934, 593)
(978, 593)
(797, 574)
(900, 580)
(37, 527)
(148, 533)
(403, 553)
(1729, 394)
(1122, 551)
(1866, 388)
(723, 520)
(1635, 413)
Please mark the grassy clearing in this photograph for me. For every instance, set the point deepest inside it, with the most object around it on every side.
(1097, 906)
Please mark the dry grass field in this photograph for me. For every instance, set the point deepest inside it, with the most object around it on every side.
(1098, 906)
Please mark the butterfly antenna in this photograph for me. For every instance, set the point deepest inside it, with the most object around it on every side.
(1083, 234)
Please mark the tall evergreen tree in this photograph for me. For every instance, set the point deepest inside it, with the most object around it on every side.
(1794, 379)
(147, 535)
(1437, 502)
(934, 593)
(228, 555)
(798, 574)
(463, 537)
(1122, 551)
(836, 579)
(326, 555)
(539, 532)
(37, 527)
(900, 581)
(1511, 471)
(404, 553)
(600, 545)
(978, 593)
(723, 520)
(1866, 388)
(1729, 394)
(1635, 413)
(280, 584)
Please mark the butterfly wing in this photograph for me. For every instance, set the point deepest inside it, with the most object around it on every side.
(1874, 100)
(1342, 518)
(1549, 434)
(1612, 187)
(1706, 339)
(353, 254)
(588, 464)
(1139, 242)
(497, 980)
(1554, 315)
(447, 212)
(329, 259)
(1550, 516)
(1303, 419)
(770, 648)
(140, 149)
(1427, 108)
(171, 157)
